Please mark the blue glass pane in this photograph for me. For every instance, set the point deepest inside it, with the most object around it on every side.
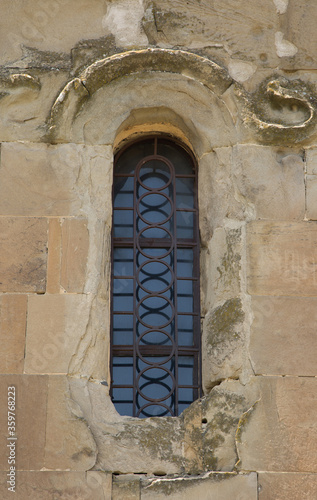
(155, 383)
(185, 225)
(155, 276)
(185, 257)
(184, 193)
(122, 328)
(154, 410)
(155, 174)
(123, 223)
(155, 233)
(155, 253)
(185, 370)
(123, 261)
(154, 208)
(122, 373)
(182, 407)
(122, 295)
(185, 330)
(185, 298)
(123, 192)
(155, 337)
(131, 157)
(181, 161)
(140, 329)
(123, 395)
(155, 312)
(169, 365)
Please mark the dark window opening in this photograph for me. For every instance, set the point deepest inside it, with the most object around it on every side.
(155, 326)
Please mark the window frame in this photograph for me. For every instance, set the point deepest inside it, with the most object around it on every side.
(195, 350)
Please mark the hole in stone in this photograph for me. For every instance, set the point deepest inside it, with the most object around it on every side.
(204, 421)
(159, 473)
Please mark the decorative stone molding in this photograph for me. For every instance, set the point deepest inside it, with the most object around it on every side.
(276, 109)
(280, 111)
(103, 72)
(10, 83)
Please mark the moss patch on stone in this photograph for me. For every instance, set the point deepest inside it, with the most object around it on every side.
(221, 324)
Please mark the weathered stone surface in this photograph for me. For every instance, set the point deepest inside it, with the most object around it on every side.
(123, 20)
(75, 245)
(201, 439)
(69, 443)
(23, 244)
(24, 108)
(126, 487)
(55, 326)
(66, 179)
(191, 25)
(54, 256)
(268, 185)
(311, 161)
(279, 435)
(220, 486)
(217, 199)
(311, 183)
(156, 90)
(280, 258)
(12, 332)
(52, 485)
(299, 16)
(221, 273)
(277, 486)
(30, 418)
(45, 25)
(223, 342)
(283, 336)
(311, 197)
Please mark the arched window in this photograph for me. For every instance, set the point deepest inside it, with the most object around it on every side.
(155, 331)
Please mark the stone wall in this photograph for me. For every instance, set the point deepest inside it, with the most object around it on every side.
(235, 82)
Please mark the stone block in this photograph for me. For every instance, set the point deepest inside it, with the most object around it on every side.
(281, 258)
(300, 16)
(229, 486)
(216, 192)
(270, 186)
(279, 434)
(223, 343)
(311, 161)
(287, 486)
(249, 33)
(311, 197)
(55, 326)
(12, 332)
(200, 440)
(54, 180)
(50, 485)
(75, 243)
(54, 256)
(221, 273)
(283, 336)
(126, 487)
(23, 243)
(47, 25)
(69, 443)
(30, 419)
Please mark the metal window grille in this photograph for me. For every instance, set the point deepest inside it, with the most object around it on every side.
(155, 326)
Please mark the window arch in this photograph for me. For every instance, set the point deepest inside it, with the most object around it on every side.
(155, 327)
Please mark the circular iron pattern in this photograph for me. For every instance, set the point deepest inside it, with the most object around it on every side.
(155, 305)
